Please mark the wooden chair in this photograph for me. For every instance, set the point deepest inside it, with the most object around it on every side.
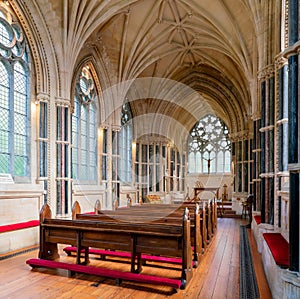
(247, 207)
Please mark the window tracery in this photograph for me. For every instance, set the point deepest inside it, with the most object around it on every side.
(14, 98)
(84, 129)
(209, 146)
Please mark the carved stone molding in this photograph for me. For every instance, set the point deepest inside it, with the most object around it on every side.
(266, 72)
(292, 50)
(268, 128)
(43, 97)
(115, 128)
(62, 102)
(283, 121)
(267, 175)
(241, 135)
(280, 61)
(256, 115)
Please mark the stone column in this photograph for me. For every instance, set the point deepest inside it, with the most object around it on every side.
(293, 21)
(262, 153)
(291, 281)
(256, 157)
(266, 130)
(293, 153)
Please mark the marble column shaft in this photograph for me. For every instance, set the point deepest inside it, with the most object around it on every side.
(292, 159)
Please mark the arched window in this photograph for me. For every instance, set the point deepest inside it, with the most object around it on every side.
(14, 99)
(125, 145)
(209, 146)
(84, 130)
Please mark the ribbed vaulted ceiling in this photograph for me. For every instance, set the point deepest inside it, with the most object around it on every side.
(207, 46)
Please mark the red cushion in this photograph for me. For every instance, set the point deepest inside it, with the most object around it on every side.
(16, 226)
(157, 280)
(257, 219)
(279, 248)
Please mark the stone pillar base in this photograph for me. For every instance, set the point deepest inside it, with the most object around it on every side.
(258, 231)
(291, 284)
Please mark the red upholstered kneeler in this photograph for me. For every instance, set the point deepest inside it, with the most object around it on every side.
(279, 248)
(119, 275)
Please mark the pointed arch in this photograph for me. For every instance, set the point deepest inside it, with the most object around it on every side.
(209, 146)
(84, 128)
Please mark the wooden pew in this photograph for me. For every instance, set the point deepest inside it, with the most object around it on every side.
(206, 218)
(204, 210)
(155, 217)
(170, 240)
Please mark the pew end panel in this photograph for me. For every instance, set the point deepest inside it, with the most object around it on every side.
(47, 250)
(76, 209)
(97, 207)
(196, 238)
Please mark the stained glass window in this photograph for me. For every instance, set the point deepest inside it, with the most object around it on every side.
(14, 99)
(209, 146)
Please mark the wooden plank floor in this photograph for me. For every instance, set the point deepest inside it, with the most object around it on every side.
(217, 275)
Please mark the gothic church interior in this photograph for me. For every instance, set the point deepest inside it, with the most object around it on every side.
(106, 100)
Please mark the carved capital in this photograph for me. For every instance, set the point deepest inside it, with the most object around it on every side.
(241, 135)
(266, 72)
(280, 61)
(62, 102)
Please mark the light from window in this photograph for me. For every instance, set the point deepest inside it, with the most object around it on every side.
(209, 146)
(84, 130)
(14, 101)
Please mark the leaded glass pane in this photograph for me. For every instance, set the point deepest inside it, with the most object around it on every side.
(62, 197)
(4, 116)
(84, 130)
(43, 120)
(20, 145)
(4, 163)
(104, 167)
(5, 33)
(58, 160)
(198, 164)
(227, 165)
(20, 124)
(4, 141)
(14, 106)
(192, 162)
(19, 166)
(43, 148)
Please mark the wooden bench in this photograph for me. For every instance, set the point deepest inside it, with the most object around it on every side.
(205, 210)
(169, 240)
(149, 215)
(170, 210)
